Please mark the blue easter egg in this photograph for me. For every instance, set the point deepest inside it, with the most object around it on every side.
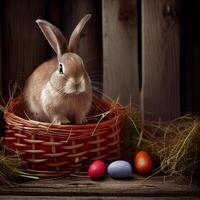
(120, 169)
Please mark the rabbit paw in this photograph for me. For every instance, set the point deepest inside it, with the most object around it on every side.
(60, 120)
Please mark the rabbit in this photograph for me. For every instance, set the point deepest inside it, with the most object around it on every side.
(59, 91)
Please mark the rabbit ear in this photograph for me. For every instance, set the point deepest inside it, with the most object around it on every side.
(53, 35)
(75, 36)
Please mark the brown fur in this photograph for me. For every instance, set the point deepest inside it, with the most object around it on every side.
(56, 97)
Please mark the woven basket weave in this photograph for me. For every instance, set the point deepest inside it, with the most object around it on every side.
(52, 150)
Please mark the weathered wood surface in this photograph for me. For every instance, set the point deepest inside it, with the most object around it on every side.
(120, 55)
(90, 45)
(0, 48)
(1, 103)
(186, 61)
(196, 57)
(160, 58)
(24, 46)
(84, 188)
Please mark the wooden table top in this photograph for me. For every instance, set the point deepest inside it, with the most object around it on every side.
(81, 187)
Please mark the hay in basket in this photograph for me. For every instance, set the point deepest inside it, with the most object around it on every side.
(51, 150)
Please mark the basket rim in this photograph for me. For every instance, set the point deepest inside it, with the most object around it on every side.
(118, 114)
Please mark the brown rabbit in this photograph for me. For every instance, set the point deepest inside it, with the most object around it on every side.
(59, 90)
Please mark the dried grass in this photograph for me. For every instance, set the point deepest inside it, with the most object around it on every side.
(177, 145)
(132, 128)
(12, 168)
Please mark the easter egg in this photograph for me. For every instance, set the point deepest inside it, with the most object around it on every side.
(120, 169)
(97, 170)
(143, 162)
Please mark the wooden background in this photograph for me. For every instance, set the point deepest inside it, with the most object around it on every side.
(131, 48)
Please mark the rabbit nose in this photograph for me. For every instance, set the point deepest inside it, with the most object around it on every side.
(77, 85)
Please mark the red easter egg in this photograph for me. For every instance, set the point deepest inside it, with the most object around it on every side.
(97, 170)
(143, 162)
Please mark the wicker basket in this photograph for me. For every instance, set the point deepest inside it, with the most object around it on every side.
(59, 149)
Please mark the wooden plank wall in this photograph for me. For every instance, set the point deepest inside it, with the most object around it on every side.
(90, 47)
(120, 59)
(186, 61)
(196, 56)
(190, 56)
(0, 47)
(27, 46)
(126, 43)
(1, 101)
(24, 47)
(161, 58)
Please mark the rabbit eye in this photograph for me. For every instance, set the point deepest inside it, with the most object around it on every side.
(61, 68)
